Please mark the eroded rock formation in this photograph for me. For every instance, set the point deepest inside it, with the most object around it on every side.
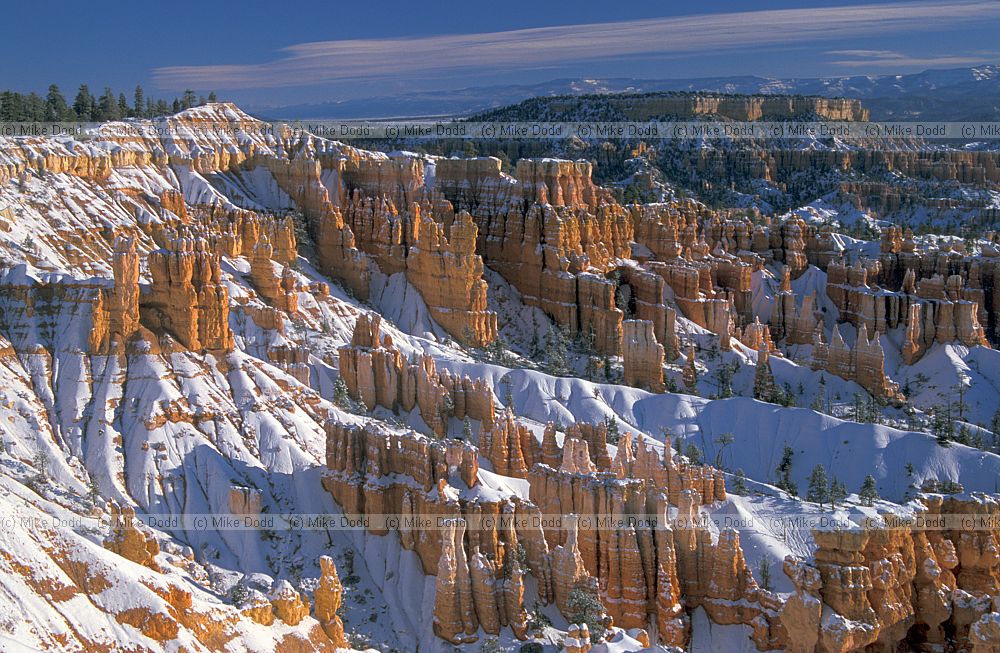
(930, 309)
(863, 363)
(128, 540)
(187, 297)
(872, 589)
(327, 598)
(448, 274)
(642, 356)
(377, 373)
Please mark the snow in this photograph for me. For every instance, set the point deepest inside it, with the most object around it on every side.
(708, 637)
(173, 433)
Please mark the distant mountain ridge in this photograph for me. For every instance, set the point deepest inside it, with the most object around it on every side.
(950, 94)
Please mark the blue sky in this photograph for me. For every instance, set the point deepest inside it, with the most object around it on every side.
(290, 52)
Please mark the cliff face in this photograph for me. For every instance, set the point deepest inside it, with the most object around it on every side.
(932, 309)
(733, 107)
(376, 373)
(883, 586)
(864, 363)
(186, 297)
(449, 275)
(547, 230)
(642, 355)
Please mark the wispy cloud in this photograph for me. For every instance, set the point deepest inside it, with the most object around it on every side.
(875, 59)
(326, 62)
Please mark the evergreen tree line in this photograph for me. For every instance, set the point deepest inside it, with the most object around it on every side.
(88, 107)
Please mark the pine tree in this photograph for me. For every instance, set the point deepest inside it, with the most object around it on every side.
(724, 440)
(341, 395)
(55, 105)
(139, 105)
(188, 99)
(83, 103)
(693, 453)
(765, 574)
(585, 608)
(819, 489)
(555, 352)
(123, 109)
(108, 107)
(740, 483)
(763, 380)
(508, 395)
(466, 429)
(212, 97)
(725, 374)
(942, 428)
(93, 491)
(784, 472)
(868, 493)
(176, 106)
(611, 424)
(837, 493)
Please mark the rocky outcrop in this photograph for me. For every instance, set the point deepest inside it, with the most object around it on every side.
(187, 297)
(757, 336)
(864, 363)
(480, 581)
(642, 356)
(690, 373)
(376, 373)
(681, 106)
(278, 289)
(646, 290)
(577, 639)
(327, 598)
(454, 616)
(509, 446)
(794, 324)
(879, 587)
(244, 501)
(635, 579)
(930, 309)
(551, 233)
(122, 302)
(801, 614)
(288, 605)
(128, 540)
(568, 570)
(448, 274)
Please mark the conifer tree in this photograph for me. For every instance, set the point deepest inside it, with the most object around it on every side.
(784, 472)
(555, 352)
(838, 492)
(341, 395)
(740, 483)
(108, 107)
(83, 103)
(763, 380)
(765, 574)
(819, 489)
(55, 105)
(869, 492)
(139, 102)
